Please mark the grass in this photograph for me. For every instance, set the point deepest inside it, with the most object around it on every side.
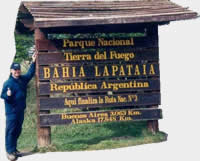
(90, 136)
(102, 136)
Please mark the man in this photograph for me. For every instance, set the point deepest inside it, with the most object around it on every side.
(14, 95)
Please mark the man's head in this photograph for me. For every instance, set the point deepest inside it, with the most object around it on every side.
(15, 70)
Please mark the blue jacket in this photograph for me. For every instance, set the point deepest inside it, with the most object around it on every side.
(16, 103)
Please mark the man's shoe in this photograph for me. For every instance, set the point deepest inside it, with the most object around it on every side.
(18, 153)
(11, 156)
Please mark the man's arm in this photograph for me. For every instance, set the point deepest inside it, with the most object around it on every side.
(31, 72)
(6, 93)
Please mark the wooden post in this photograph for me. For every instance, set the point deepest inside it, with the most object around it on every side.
(153, 126)
(44, 133)
(152, 30)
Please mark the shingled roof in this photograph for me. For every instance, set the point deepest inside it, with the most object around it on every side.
(46, 14)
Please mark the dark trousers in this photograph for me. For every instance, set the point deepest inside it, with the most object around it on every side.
(13, 130)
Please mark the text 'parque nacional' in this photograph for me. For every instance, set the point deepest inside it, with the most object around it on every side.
(100, 42)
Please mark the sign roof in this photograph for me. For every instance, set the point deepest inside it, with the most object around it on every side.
(46, 14)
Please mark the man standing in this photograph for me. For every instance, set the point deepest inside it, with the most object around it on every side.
(14, 95)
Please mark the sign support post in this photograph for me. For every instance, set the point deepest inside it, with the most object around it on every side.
(43, 133)
(153, 125)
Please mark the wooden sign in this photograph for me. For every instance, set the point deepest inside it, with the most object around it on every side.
(66, 71)
(86, 43)
(103, 101)
(99, 73)
(101, 116)
(107, 55)
(100, 86)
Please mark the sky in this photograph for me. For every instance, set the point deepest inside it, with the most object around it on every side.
(180, 85)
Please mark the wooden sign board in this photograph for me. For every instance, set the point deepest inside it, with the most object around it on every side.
(95, 71)
(100, 116)
(98, 56)
(101, 101)
(99, 73)
(99, 86)
(139, 42)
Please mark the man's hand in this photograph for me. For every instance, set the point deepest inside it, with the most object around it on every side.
(34, 56)
(9, 93)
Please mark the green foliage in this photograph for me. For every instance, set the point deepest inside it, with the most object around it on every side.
(102, 136)
(23, 44)
(95, 35)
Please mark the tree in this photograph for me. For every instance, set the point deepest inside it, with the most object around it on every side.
(24, 47)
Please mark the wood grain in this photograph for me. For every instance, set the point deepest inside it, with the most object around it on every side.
(84, 13)
(102, 101)
(101, 86)
(101, 117)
